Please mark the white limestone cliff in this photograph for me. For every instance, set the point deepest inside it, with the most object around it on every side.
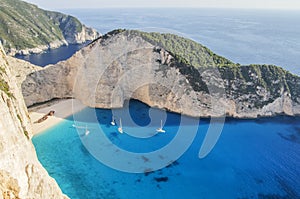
(21, 174)
(121, 66)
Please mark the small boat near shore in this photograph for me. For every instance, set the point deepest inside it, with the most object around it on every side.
(120, 129)
(78, 127)
(160, 130)
(82, 127)
(86, 131)
(113, 122)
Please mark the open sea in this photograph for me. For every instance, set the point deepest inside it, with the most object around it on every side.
(243, 36)
(251, 159)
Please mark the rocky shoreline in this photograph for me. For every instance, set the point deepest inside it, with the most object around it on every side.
(33, 30)
(38, 49)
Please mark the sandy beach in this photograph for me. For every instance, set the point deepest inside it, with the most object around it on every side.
(62, 108)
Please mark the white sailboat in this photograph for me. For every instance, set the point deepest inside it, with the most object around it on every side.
(113, 123)
(86, 131)
(78, 127)
(160, 130)
(120, 129)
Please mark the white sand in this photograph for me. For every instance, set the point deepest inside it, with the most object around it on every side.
(63, 109)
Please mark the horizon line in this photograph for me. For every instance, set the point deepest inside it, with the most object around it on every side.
(153, 7)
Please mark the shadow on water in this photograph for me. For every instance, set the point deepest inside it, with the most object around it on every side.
(289, 191)
(283, 119)
(52, 56)
(293, 137)
(139, 113)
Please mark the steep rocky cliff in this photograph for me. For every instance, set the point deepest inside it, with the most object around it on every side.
(25, 28)
(21, 174)
(127, 64)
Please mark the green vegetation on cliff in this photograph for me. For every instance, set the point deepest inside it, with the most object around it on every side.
(261, 84)
(3, 84)
(25, 26)
(184, 50)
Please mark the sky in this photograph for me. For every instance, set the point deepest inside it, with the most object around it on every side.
(256, 4)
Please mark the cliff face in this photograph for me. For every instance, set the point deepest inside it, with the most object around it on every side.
(124, 65)
(21, 174)
(73, 31)
(25, 28)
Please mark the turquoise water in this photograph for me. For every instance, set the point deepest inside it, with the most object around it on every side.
(252, 159)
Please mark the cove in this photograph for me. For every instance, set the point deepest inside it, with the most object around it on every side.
(252, 159)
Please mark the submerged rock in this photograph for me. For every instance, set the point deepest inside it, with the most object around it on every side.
(161, 179)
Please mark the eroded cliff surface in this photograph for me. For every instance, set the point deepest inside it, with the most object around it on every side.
(21, 174)
(127, 64)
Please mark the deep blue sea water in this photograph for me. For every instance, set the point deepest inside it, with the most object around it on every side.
(243, 36)
(252, 158)
(52, 56)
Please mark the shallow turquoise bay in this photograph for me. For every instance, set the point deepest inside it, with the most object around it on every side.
(252, 159)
